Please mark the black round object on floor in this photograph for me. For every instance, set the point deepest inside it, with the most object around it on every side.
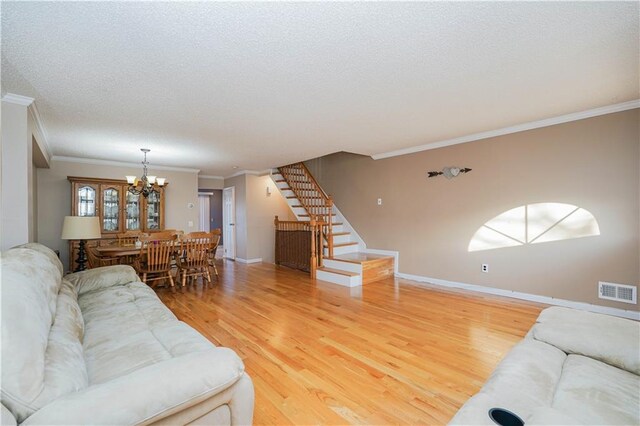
(504, 417)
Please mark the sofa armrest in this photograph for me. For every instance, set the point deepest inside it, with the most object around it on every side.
(147, 394)
(99, 278)
(7, 418)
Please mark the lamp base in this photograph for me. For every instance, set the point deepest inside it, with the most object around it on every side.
(81, 260)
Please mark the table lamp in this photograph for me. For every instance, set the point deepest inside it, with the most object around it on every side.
(81, 228)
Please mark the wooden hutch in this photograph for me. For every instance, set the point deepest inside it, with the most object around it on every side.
(118, 209)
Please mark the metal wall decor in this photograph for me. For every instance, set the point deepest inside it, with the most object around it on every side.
(450, 172)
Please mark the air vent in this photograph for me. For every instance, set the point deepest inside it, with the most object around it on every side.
(617, 292)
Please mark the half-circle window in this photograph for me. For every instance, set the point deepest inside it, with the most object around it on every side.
(534, 223)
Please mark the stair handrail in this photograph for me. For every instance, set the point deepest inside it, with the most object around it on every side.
(324, 209)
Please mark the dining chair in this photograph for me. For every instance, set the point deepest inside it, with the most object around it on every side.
(128, 238)
(154, 260)
(193, 258)
(215, 242)
(97, 261)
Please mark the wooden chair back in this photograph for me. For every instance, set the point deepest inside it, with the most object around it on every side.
(128, 238)
(95, 261)
(194, 248)
(156, 253)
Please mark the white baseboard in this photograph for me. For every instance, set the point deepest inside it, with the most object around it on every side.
(634, 315)
(241, 260)
(395, 254)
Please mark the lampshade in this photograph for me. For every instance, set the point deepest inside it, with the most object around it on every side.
(81, 228)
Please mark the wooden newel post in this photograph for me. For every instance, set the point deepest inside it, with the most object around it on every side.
(313, 264)
(330, 222)
(277, 240)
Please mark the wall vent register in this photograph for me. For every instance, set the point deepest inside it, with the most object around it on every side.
(617, 292)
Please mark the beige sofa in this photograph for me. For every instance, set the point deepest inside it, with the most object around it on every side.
(99, 347)
(573, 367)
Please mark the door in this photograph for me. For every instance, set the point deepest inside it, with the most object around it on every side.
(229, 222)
(204, 212)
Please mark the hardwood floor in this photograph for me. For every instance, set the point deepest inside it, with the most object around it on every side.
(390, 352)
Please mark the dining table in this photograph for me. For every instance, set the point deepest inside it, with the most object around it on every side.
(116, 250)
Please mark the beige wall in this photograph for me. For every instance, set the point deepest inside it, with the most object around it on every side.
(54, 197)
(255, 212)
(262, 209)
(210, 183)
(592, 163)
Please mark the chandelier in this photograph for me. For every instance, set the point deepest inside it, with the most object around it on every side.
(146, 184)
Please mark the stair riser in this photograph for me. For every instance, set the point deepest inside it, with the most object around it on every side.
(343, 266)
(342, 250)
(339, 239)
(342, 280)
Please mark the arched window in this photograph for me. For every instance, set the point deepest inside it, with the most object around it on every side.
(534, 223)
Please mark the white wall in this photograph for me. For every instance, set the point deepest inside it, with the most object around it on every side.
(16, 175)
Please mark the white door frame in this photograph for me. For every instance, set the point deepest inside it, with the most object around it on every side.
(229, 222)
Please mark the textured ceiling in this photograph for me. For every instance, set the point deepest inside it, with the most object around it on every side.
(255, 85)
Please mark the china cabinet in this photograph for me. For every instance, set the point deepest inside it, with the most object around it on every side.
(118, 209)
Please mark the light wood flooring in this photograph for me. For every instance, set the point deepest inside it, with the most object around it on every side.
(390, 352)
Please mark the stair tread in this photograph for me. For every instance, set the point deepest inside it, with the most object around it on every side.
(352, 243)
(338, 271)
(341, 233)
(358, 257)
(307, 215)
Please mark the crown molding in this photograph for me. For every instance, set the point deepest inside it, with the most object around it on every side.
(17, 99)
(119, 164)
(624, 106)
(210, 177)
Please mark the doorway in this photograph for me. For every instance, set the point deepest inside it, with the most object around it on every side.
(204, 207)
(229, 222)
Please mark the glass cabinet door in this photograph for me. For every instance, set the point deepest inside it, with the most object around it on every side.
(87, 201)
(153, 211)
(110, 210)
(133, 221)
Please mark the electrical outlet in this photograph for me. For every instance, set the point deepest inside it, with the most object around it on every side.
(190, 224)
(485, 268)
(379, 201)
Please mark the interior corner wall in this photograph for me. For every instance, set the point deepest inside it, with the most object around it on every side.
(17, 185)
(54, 198)
(210, 183)
(263, 207)
(255, 211)
(592, 163)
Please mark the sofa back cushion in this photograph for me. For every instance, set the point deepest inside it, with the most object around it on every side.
(41, 331)
(614, 341)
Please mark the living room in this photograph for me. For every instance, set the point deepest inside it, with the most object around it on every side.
(489, 153)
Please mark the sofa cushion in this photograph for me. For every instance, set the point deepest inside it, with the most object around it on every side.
(525, 379)
(31, 281)
(597, 393)
(615, 341)
(128, 328)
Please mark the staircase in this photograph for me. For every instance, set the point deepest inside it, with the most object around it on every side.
(343, 259)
